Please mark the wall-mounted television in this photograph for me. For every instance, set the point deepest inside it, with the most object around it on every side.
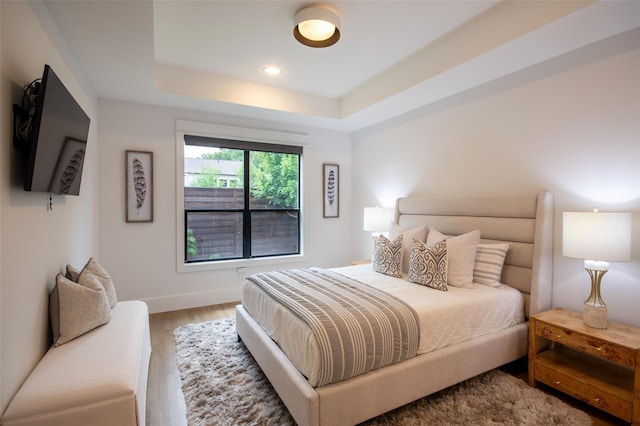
(52, 130)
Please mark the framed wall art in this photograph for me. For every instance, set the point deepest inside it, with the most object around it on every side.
(139, 182)
(331, 190)
(68, 171)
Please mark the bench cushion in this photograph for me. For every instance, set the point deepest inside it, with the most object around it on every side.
(99, 378)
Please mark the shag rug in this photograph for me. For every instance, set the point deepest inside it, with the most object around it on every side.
(223, 385)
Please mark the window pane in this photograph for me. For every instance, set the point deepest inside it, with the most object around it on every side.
(213, 235)
(274, 180)
(274, 233)
(213, 178)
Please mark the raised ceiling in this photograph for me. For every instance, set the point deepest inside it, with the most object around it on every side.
(393, 56)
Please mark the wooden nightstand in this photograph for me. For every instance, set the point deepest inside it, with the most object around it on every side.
(599, 367)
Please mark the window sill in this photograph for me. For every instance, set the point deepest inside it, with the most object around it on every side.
(239, 263)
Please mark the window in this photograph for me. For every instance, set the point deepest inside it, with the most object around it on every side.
(241, 199)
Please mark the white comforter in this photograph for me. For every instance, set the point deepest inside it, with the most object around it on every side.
(446, 317)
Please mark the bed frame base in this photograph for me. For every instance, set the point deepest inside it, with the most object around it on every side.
(358, 399)
(525, 221)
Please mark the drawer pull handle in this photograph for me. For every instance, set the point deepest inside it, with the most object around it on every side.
(597, 399)
(558, 336)
(557, 382)
(598, 349)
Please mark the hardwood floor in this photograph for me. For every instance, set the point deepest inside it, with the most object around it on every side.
(165, 402)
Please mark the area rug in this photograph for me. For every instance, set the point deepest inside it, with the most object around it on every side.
(223, 385)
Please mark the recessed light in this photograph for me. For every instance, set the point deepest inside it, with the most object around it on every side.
(272, 70)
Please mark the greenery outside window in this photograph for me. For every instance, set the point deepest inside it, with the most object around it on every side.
(241, 199)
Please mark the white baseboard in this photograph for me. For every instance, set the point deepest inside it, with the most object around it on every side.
(193, 300)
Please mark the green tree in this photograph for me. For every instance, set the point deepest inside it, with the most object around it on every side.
(192, 244)
(208, 177)
(224, 154)
(275, 177)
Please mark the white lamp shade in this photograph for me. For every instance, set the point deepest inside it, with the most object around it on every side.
(377, 219)
(600, 236)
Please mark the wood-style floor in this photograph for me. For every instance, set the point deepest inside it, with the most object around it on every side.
(165, 402)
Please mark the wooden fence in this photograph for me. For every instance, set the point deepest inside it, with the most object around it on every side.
(220, 235)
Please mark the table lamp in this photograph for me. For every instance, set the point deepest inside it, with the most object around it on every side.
(598, 238)
(377, 220)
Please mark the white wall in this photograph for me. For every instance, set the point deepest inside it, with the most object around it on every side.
(570, 126)
(36, 242)
(141, 257)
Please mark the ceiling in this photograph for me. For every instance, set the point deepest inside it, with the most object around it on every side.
(393, 56)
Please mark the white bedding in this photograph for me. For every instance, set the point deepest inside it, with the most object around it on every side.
(446, 318)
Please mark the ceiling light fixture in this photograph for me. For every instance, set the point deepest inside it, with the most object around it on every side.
(317, 27)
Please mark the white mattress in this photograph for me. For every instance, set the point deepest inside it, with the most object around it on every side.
(446, 317)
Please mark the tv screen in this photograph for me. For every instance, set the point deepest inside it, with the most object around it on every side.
(56, 142)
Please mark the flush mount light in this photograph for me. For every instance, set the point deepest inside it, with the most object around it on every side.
(317, 27)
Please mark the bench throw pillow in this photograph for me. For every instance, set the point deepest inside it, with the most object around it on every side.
(104, 278)
(76, 308)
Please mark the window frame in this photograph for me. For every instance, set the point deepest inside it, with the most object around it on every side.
(220, 131)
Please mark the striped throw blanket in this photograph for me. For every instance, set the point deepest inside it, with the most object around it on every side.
(358, 328)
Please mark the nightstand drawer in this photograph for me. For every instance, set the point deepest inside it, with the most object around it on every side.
(588, 344)
(586, 392)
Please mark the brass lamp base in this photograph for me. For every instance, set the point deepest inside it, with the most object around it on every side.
(595, 311)
(595, 316)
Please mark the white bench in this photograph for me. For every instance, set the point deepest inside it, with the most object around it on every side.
(99, 378)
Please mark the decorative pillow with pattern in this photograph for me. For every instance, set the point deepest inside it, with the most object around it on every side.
(408, 235)
(428, 265)
(489, 263)
(387, 256)
(77, 308)
(461, 252)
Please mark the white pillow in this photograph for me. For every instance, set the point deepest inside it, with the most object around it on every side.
(489, 262)
(408, 235)
(428, 265)
(461, 253)
(387, 256)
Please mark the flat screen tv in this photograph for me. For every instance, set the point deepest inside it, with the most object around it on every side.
(53, 134)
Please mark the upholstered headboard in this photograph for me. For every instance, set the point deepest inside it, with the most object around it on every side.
(524, 221)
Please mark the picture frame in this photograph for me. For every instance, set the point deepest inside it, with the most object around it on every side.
(139, 186)
(67, 174)
(331, 190)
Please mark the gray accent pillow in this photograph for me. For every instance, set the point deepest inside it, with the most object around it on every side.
(76, 308)
(428, 265)
(387, 256)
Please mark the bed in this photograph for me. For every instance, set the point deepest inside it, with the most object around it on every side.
(523, 221)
